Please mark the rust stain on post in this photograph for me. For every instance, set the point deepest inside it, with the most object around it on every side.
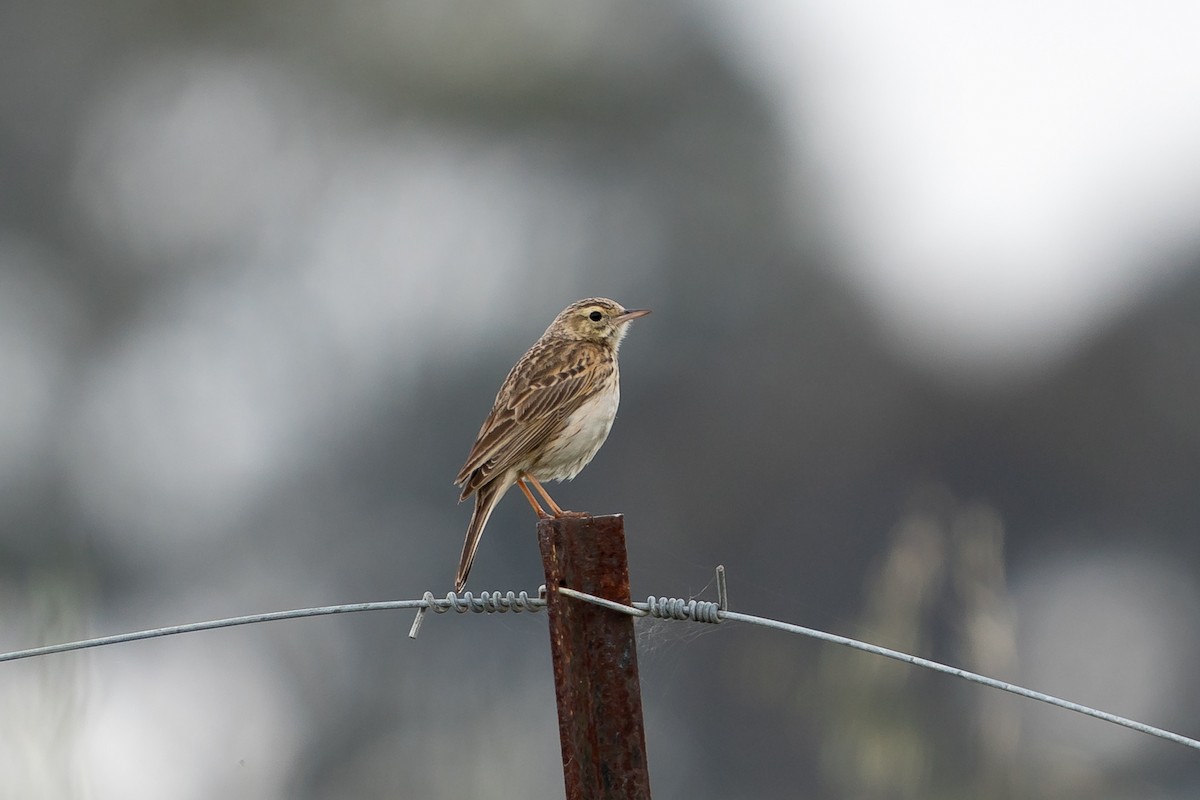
(595, 659)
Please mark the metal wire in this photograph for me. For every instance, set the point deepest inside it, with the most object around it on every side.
(486, 602)
(660, 607)
(644, 609)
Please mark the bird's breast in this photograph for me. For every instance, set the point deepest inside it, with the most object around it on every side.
(583, 432)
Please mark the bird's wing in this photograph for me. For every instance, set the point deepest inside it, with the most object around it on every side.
(534, 400)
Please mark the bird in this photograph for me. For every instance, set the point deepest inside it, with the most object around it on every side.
(550, 417)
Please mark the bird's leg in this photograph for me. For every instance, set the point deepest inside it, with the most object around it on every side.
(537, 508)
(558, 512)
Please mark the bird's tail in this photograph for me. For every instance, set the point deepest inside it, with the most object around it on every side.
(486, 498)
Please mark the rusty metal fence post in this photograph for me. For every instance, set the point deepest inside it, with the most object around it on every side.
(595, 659)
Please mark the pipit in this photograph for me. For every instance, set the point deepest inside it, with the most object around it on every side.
(551, 415)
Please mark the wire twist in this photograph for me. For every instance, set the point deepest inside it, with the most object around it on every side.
(680, 609)
(485, 603)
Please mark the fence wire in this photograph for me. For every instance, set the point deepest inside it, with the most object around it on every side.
(658, 607)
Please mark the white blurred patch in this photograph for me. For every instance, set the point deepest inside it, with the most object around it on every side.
(1003, 178)
(42, 700)
(1110, 629)
(197, 716)
(168, 719)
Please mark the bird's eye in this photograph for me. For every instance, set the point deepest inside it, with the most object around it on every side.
(595, 316)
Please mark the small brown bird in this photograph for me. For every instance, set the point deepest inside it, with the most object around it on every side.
(551, 415)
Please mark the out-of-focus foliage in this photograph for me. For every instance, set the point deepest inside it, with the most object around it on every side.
(262, 268)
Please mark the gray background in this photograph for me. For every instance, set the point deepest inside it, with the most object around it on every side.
(264, 265)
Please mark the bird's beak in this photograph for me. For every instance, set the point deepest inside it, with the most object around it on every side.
(628, 315)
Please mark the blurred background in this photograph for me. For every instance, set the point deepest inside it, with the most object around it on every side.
(923, 368)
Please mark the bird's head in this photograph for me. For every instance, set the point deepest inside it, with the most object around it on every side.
(595, 319)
